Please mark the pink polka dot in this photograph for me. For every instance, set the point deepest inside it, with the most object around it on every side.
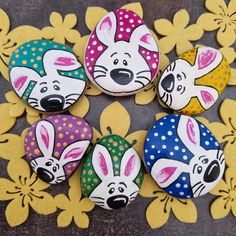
(126, 16)
(121, 29)
(92, 51)
(94, 42)
(119, 35)
(121, 23)
(131, 21)
(128, 30)
(155, 56)
(121, 18)
(148, 57)
(121, 12)
(154, 65)
(139, 21)
(92, 59)
(100, 48)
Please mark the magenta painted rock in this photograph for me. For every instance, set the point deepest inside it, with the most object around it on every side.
(121, 56)
(55, 145)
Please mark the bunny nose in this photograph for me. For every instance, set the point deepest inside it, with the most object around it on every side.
(168, 83)
(212, 172)
(122, 76)
(117, 201)
(45, 175)
(53, 103)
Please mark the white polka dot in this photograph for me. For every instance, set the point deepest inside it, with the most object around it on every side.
(94, 42)
(188, 196)
(208, 131)
(93, 36)
(155, 134)
(100, 48)
(172, 120)
(92, 59)
(177, 185)
(121, 29)
(128, 30)
(148, 53)
(131, 21)
(184, 178)
(121, 12)
(217, 144)
(183, 150)
(163, 146)
(146, 151)
(139, 21)
(148, 163)
(176, 140)
(211, 139)
(185, 157)
(148, 57)
(121, 18)
(154, 126)
(181, 193)
(92, 51)
(171, 153)
(204, 134)
(119, 35)
(169, 133)
(90, 68)
(170, 192)
(176, 148)
(185, 186)
(89, 47)
(155, 55)
(161, 123)
(207, 143)
(121, 23)
(152, 157)
(153, 146)
(202, 126)
(164, 118)
(133, 25)
(154, 65)
(143, 51)
(163, 137)
(126, 16)
(158, 151)
(86, 58)
(87, 64)
(148, 139)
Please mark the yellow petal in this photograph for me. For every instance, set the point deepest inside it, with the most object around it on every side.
(48, 32)
(230, 177)
(207, 21)
(6, 121)
(160, 115)
(96, 135)
(181, 18)
(228, 52)
(216, 6)
(75, 192)
(163, 26)
(183, 46)
(229, 154)
(64, 218)
(11, 97)
(79, 48)
(72, 35)
(227, 110)
(11, 146)
(81, 220)
(86, 205)
(232, 80)
(135, 7)
(157, 213)
(16, 213)
(226, 36)
(116, 118)
(62, 202)
(93, 15)
(138, 139)
(233, 208)
(59, 37)
(92, 90)
(219, 208)
(32, 119)
(70, 21)
(4, 24)
(18, 109)
(80, 108)
(55, 19)
(219, 130)
(167, 44)
(36, 183)
(185, 210)
(146, 96)
(193, 32)
(217, 190)
(8, 190)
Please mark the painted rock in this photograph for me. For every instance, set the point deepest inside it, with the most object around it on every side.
(55, 145)
(192, 83)
(47, 75)
(183, 156)
(112, 173)
(121, 56)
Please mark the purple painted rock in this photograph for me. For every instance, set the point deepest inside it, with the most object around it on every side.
(55, 145)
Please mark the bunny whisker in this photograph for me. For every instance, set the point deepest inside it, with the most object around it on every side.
(33, 99)
(174, 64)
(167, 98)
(133, 193)
(143, 77)
(137, 81)
(72, 94)
(143, 71)
(199, 187)
(99, 76)
(99, 71)
(98, 198)
(222, 161)
(35, 106)
(61, 176)
(164, 94)
(196, 184)
(201, 190)
(171, 99)
(99, 202)
(71, 99)
(100, 66)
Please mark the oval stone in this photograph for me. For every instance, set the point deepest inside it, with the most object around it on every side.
(193, 82)
(47, 75)
(183, 156)
(55, 145)
(121, 56)
(112, 173)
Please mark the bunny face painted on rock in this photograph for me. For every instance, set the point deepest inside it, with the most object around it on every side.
(121, 56)
(54, 156)
(45, 74)
(191, 164)
(199, 74)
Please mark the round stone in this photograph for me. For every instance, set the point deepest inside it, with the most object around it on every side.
(55, 145)
(47, 75)
(117, 173)
(191, 173)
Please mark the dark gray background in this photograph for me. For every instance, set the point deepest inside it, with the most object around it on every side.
(131, 220)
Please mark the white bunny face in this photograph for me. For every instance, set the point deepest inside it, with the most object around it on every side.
(123, 67)
(52, 89)
(179, 84)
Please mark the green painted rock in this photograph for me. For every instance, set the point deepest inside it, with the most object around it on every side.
(112, 173)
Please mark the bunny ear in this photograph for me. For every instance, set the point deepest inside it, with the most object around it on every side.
(21, 77)
(54, 60)
(130, 164)
(142, 37)
(45, 134)
(102, 162)
(166, 171)
(74, 152)
(207, 60)
(106, 29)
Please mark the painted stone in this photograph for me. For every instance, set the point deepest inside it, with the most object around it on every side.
(183, 156)
(47, 75)
(55, 145)
(121, 56)
(192, 83)
(112, 173)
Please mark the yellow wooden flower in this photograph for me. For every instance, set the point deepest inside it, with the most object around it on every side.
(223, 18)
(226, 192)
(116, 120)
(73, 206)
(6, 121)
(24, 191)
(158, 211)
(61, 29)
(10, 40)
(177, 34)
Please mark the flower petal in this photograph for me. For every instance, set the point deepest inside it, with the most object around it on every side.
(62, 202)
(6, 121)
(146, 96)
(216, 6)
(8, 190)
(72, 35)
(183, 46)
(96, 135)
(64, 218)
(229, 154)
(17, 109)
(11, 97)
(92, 90)
(82, 220)
(48, 32)
(207, 21)
(4, 23)
(232, 7)
(167, 44)
(226, 35)
(37, 184)
(219, 208)
(70, 21)
(86, 205)
(227, 109)
(163, 27)
(193, 32)
(79, 48)
(32, 119)
(229, 53)
(232, 79)
(217, 190)
(160, 115)
(135, 7)
(80, 108)
(181, 18)
(55, 19)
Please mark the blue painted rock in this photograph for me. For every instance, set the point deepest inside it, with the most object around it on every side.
(47, 75)
(183, 156)
(121, 56)
(112, 173)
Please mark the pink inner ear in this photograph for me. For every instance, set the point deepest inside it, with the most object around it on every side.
(190, 131)
(20, 81)
(103, 164)
(129, 166)
(44, 136)
(207, 97)
(74, 153)
(165, 174)
(206, 58)
(106, 24)
(64, 61)
(146, 38)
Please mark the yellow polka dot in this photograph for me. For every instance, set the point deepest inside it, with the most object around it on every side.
(116, 172)
(56, 121)
(84, 172)
(69, 166)
(69, 74)
(88, 187)
(110, 140)
(116, 166)
(69, 171)
(89, 179)
(95, 180)
(64, 119)
(90, 135)
(33, 49)
(115, 158)
(40, 49)
(38, 58)
(64, 124)
(35, 42)
(55, 46)
(90, 172)
(113, 151)
(72, 137)
(56, 154)
(67, 132)
(83, 180)
(121, 148)
(79, 123)
(17, 55)
(35, 65)
(65, 144)
(32, 144)
(81, 76)
(85, 129)
(137, 181)
(41, 72)
(24, 62)
(31, 60)
(36, 152)
(27, 148)
(60, 136)
(13, 62)
(59, 128)
(82, 135)
(74, 164)
(76, 73)
(77, 131)
(58, 145)
(115, 144)
(44, 43)
(25, 52)
(70, 125)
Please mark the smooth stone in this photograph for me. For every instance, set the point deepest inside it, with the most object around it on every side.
(55, 145)
(121, 56)
(193, 82)
(183, 156)
(112, 173)
(47, 75)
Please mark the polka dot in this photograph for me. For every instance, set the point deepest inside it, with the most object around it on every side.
(204, 134)
(176, 148)
(119, 35)
(172, 120)
(24, 62)
(152, 157)
(169, 133)
(148, 57)
(171, 153)
(121, 23)
(161, 123)
(181, 193)
(128, 30)
(184, 178)
(139, 21)
(92, 51)
(207, 143)
(177, 185)
(153, 146)
(60, 136)
(163, 137)
(148, 163)
(185, 157)
(176, 140)
(131, 21)
(183, 150)
(100, 48)
(217, 144)
(121, 29)
(170, 192)
(154, 65)
(173, 127)
(94, 42)
(185, 186)
(146, 151)
(126, 16)
(155, 134)
(163, 146)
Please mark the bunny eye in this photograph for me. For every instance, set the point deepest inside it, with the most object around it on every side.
(121, 189)
(125, 63)
(112, 190)
(179, 87)
(43, 89)
(205, 161)
(199, 169)
(48, 163)
(115, 62)
(54, 169)
(179, 77)
(56, 87)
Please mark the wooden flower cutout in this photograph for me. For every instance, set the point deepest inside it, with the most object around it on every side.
(6, 121)
(226, 192)
(10, 40)
(73, 206)
(24, 191)
(61, 29)
(221, 17)
(158, 211)
(116, 120)
(177, 34)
